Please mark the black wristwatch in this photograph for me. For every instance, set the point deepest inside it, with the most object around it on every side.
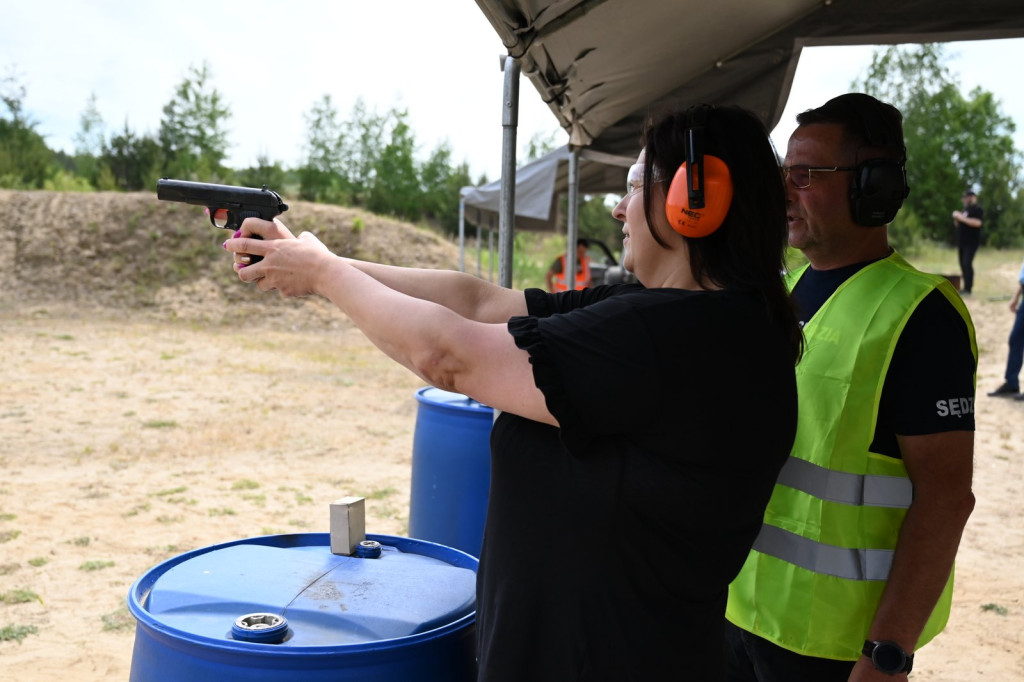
(888, 657)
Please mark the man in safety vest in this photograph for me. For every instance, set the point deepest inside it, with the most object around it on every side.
(853, 568)
(555, 276)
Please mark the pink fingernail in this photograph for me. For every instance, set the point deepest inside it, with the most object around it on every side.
(238, 233)
(224, 245)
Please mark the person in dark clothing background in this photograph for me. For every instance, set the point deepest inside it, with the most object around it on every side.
(968, 237)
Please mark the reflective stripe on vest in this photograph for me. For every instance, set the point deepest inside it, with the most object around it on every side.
(813, 579)
(838, 486)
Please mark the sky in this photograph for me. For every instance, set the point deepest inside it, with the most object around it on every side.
(272, 62)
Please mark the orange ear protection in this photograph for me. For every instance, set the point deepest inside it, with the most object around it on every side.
(701, 191)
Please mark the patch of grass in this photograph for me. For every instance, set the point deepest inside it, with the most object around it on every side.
(8, 568)
(302, 498)
(223, 511)
(137, 509)
(381, 494)
(82, 541)
(8, 517)
(117, 620)
(16, 632)
(95, 565)
(19, 597)
(160, 424)
(8, 535)
(996, 608)
(170, 491)
(169, 519)
(245, 484)
(38, 561)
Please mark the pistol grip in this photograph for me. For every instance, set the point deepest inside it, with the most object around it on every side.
(254, 259)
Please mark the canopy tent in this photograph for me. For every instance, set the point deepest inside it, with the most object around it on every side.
(604, 66)
(539, 184)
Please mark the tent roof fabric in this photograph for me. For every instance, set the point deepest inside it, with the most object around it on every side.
(605, 66)
(538, 185)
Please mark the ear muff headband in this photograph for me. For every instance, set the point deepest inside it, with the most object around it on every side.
(701, 191)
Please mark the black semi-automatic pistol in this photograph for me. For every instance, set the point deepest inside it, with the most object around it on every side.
(239, 202)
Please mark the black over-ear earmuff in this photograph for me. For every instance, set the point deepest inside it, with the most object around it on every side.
(878, 190)
(701, 191)
(879, 185)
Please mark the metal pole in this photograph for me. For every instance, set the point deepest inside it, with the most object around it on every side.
(479, 254)
(462, 234)
(507, 207)
(490, 252)
(572, 231)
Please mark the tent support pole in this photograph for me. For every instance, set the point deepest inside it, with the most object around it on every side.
(507, 207)
(573, 229)
(462, 234)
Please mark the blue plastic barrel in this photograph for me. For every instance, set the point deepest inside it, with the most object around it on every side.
(451, 469)
(282, 608)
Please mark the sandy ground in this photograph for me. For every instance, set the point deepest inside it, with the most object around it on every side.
(125, 441)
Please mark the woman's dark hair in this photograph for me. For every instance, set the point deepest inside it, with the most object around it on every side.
(748, 251)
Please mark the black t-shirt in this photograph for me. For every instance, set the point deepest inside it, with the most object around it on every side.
(610, 541)
(929, 387)
(965, 232)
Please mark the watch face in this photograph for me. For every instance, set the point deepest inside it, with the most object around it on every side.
(888, 657)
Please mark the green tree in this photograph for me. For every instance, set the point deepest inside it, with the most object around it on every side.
(265, 172)
(25, 160)
(542, 142)
(396, 187)
(133, 161)
(596, 220)
(320, 175)
(90, 141)
(192, 135)
(441, 182)
(363, 136)
(953, 142)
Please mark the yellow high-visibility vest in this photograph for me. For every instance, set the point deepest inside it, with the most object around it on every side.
(813, 580)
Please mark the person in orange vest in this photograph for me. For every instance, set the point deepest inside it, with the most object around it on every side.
(556, 273)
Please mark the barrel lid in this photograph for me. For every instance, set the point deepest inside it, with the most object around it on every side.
(327, 599)
(447, 399)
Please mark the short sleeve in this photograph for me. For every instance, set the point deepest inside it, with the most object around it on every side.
(611, 367)
(586, 360)
(916, 398)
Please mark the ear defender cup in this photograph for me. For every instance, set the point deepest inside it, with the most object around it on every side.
(702, 217)
(877, 193)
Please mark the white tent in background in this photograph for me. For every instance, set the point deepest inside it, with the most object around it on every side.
(539, 184)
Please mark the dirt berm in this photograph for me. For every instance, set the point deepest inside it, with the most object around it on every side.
(159, 259)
